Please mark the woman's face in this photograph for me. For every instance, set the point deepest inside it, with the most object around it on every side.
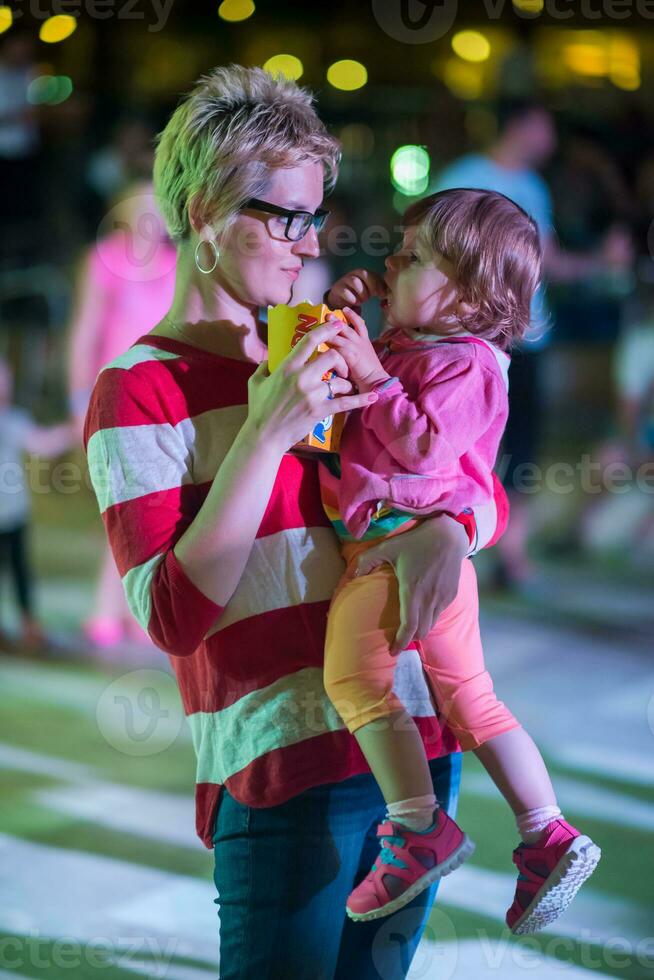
(258, 264)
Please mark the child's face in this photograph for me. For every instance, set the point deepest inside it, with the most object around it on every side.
(422, 293)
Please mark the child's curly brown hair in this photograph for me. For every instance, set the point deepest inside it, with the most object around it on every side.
(495, 249)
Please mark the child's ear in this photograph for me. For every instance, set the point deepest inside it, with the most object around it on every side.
(465, 310)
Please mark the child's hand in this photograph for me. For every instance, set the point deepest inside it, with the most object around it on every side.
(353, 343)
(355, 288)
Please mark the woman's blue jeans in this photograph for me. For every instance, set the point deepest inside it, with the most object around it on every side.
(283, 874)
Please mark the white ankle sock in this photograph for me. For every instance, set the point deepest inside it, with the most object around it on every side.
(532, 823)
(416, 813)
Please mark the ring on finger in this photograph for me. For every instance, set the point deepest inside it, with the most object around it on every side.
(330, 396)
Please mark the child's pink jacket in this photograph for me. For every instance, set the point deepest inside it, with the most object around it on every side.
(430, 442)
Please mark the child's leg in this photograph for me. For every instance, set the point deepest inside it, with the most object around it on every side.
(554, 859)
(105, 624)
(359, 670)
(463, 688)
(419, 842)
(515, 765)
(21, 570)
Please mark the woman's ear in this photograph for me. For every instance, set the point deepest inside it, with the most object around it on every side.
(197, 219)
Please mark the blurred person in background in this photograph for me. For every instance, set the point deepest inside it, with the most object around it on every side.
(125, 283)
(526, 140)
(624, 520)
(590, 199)
(125, 159)
(20, 434)
(19, 146)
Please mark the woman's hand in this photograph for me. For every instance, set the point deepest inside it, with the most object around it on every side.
(427, 562)
(285, 406)
(355, 288)
(353, 342)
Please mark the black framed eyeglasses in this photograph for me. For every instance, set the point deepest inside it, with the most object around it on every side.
(297, 222)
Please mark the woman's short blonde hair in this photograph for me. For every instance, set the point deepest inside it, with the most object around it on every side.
(220, 144)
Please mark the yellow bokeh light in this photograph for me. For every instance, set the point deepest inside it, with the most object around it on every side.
(471, 46)
(285, 64)
(629, 81)
(235, 10)
(463, 80)
(57, 28)
(529, 6)
(6, 19)
(347, 75)
(587, 59)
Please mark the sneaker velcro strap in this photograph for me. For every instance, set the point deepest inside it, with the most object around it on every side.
(386, 829)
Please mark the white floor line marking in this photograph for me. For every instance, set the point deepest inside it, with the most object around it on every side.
(144, 911)
(65, 688)
(168, 817)
(580, 798)
(482, 958)
(25, 760)
(626, 766)
(172, 972)
(148, 813)
(598, 917)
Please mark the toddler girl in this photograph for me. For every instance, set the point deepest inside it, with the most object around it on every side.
(457, 296)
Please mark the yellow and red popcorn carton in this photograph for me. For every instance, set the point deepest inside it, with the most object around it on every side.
(287, 325)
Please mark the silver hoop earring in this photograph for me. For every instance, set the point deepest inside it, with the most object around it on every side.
(216, 255)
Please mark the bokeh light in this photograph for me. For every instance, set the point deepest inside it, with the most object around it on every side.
(235, 10)
(285, 64)
(49, 89)
(410, 169)
(57, 28)
(6, 19)
(471, 46)
(347, 75)
(529, 6)
(462, 78)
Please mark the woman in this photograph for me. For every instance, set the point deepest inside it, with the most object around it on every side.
(226, 556)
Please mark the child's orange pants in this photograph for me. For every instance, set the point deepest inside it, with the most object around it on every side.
(363, 619)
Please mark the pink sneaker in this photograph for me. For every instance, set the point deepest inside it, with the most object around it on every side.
(551, 874)
(409, 861)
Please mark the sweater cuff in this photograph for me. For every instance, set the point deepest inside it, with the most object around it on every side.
(467, 519)
(388, 388)
(180, 581)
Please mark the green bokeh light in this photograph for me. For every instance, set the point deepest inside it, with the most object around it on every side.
(410, 169)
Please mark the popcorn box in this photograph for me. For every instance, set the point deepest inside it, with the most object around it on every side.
(287, 325)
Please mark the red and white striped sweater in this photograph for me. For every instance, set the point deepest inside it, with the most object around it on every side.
(161, 419)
